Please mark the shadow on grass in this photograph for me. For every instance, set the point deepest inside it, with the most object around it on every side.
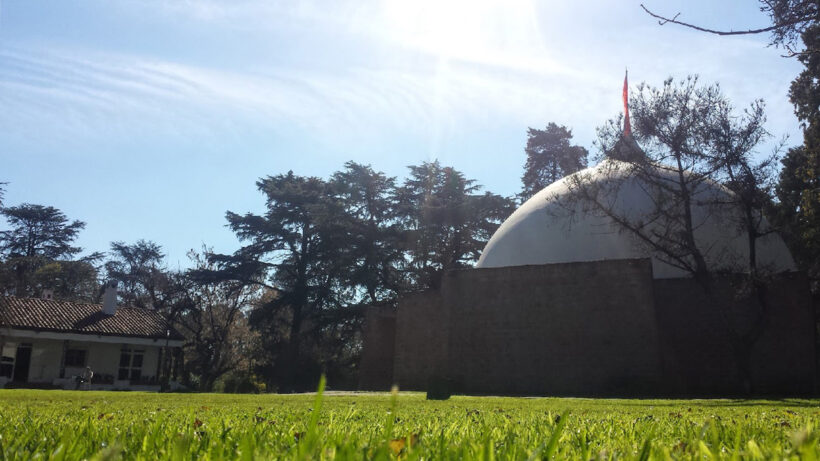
(715, 402)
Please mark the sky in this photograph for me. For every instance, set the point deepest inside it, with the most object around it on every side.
(149, 119)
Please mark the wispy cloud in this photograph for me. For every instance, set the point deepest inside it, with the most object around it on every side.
(494, 63)
(91, 90)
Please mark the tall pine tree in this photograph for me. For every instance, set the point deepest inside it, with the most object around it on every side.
(550, 157)
(799, 186)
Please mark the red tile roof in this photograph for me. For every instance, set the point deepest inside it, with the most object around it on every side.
(83, 318)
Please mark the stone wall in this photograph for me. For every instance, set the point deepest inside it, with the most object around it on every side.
(547, 329)
(558, 329)
(421, 340)
(784, 359)
(376, 365)
(696, 332)
(594, 328)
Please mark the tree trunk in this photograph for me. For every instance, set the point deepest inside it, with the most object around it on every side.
(289, 363)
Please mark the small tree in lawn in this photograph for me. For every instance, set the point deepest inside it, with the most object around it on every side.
(751, 179)
(691, 140)
(797, 211)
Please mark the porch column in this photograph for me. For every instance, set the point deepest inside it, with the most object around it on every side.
(177, 362)
(158, 374)
(62, 358)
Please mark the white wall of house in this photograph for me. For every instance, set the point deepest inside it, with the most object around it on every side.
(9, 349)
(102, 357)
(45, 361)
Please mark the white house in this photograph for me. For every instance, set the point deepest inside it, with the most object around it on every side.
(49, 343)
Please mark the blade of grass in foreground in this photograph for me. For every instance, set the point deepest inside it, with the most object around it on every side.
(307, 445)
(552, 443)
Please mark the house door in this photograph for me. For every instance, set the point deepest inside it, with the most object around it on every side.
(21, 363)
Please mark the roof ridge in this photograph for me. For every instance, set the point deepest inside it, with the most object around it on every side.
(119, 306)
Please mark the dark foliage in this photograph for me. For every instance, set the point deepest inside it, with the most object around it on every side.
(326, 249)
(38, 254)
(371, 257)
(138, 270)
(798, 190)
(293, 251)
(550, 157)
(446, 221)
(215, 325)
(38, 230)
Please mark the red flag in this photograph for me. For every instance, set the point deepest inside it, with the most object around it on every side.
(627, 126)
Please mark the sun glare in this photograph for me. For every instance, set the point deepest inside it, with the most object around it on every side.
(471, 30)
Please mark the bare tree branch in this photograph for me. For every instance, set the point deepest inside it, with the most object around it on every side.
(662, 20)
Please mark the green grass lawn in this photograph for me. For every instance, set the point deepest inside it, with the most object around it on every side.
(109, 425)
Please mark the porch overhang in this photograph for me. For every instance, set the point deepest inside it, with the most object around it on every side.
(89, 337)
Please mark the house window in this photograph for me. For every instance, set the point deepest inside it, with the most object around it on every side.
(75, 358)
(6, 366)
(130, 364)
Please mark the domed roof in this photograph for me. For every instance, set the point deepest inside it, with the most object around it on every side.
(556, 226)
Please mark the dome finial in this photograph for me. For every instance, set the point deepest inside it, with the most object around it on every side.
(627, 126)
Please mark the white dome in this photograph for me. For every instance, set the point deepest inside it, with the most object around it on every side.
(554, 227)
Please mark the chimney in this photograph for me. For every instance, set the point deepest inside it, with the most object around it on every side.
(47, 294)
(110, 298)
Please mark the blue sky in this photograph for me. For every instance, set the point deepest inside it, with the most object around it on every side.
(150, 118)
